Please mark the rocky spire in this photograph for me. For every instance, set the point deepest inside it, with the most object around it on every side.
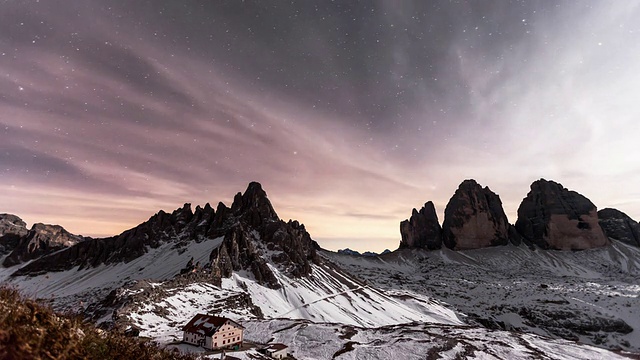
(474, 218)
(554, 217)
(422, 230)
(254, 205)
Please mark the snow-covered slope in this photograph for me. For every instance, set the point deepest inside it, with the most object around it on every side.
(72, 288)
(591, 296)
(331, 315)
(330, 295)
(327, 295)
(415, 341)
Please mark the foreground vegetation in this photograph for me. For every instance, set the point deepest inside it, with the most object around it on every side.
(30, 329)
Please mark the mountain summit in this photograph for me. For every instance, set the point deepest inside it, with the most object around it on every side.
(554, 217)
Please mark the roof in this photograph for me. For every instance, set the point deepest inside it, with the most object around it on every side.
(207, 324)
(276, 347)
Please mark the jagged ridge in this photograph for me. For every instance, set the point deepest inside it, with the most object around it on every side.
(249, 227)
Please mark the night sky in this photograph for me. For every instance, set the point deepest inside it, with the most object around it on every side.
(350, 113)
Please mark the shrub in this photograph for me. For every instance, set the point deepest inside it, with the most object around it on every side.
(30, 329)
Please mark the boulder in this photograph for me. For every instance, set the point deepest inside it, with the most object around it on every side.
(554, 217)
(422, 230)
(474, 218)
(618, 225)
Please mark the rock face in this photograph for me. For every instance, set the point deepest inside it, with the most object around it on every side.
(12, 229)
(11, 224)
(422, 230)
(42, 239)
(21, 245)
(553, 217)
(250, 228)
(618, 225)
(474, 218)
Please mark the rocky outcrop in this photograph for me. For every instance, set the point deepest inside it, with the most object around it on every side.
(422, 230)
(618, 225)
(553, 217)
(12, 229)
(42, 239)
(515, 238)
(11, 224)
(474, 218)
(250, 229)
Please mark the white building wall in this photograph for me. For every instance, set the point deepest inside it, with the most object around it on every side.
(192, 338)
(225, 336)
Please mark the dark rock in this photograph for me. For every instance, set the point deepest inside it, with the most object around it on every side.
(11, 224)
(553, 217)
(348, 251)
(132, 332)
(40, 240)
(514, 236)
(618, 225)
(474, 218)
(559, 321)
(254, 207)
(12, 229)
(370, 254)
(422, 230)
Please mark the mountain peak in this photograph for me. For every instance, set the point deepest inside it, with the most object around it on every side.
(422, 229)
(474, 218)
(255, 186)
(254, 205)
(553, 217)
